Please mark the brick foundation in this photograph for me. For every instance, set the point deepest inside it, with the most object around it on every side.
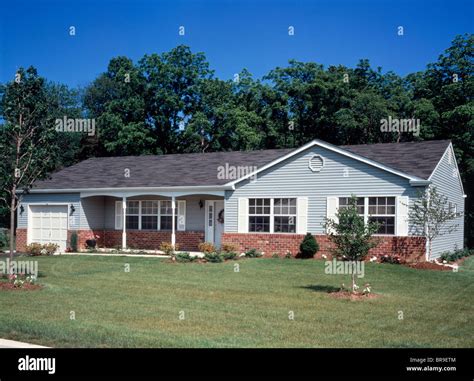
(151, 240)
(409, 248)
(21, 239)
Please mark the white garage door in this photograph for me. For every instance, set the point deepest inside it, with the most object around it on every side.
(49, 224)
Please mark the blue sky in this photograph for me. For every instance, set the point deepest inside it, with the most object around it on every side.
(233, 34)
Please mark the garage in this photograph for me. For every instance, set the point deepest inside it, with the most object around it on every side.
(48, 224)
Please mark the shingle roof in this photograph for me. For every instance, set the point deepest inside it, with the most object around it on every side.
(156, 171)
(413, 158)
(201, 169)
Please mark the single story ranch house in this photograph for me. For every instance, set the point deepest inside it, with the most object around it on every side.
(263, 199)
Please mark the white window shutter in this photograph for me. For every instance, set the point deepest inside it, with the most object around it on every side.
(181, 215)
(118, 215)
(402, 216)
(243, 219)
(332, 205)
(302, 215)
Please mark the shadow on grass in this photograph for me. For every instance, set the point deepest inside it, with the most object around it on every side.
(321, 288)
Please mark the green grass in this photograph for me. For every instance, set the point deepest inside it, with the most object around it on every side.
(223, 308)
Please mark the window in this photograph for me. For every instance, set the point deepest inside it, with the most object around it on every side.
(284, 211)
(382, 211)
(344, 202)
(133, 212)
(453, 208)
(149, 215)
(166, 215)
(259, 215)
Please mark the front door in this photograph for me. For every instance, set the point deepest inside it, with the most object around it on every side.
(214, 221)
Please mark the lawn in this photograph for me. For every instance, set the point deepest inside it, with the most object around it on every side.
(223, 308)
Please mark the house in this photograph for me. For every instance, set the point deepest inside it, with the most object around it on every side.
(261, 199)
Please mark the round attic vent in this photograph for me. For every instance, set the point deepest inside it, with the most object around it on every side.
(316, 163)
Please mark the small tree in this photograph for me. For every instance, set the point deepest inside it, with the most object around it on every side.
(27, 138)
(309, 246)
(432, 213)
(351, 236)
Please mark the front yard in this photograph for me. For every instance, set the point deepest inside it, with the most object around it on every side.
(162, 304)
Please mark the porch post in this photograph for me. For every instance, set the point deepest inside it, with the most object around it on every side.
(173, 227)
(124, 222)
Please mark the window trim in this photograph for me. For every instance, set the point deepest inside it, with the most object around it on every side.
(140, 214)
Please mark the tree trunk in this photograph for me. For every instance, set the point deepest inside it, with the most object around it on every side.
(353, 281)
(12, 230)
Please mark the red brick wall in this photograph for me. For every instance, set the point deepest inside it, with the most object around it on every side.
(407, 247)
(21, 239)
(151, 240)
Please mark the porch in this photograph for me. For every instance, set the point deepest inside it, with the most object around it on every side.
(143, 221)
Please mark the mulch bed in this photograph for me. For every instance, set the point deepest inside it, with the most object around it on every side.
(26, 287)
(428, 266)
(352, 296)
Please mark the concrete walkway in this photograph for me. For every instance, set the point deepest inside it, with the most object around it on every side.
(4, 343)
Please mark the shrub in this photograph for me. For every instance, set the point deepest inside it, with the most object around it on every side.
(213, 257)
(74, 241)
(4, 238)
(228, 248)
(50, 248)
(206, 247)
(453, 256)
(184, 257)
(288, 255)
(168, 248)
(227, 256)
(275, 255)
(34, 248)
(253, 253)
(309, 246)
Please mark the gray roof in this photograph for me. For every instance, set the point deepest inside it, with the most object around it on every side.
(201, 169)
(413, 158)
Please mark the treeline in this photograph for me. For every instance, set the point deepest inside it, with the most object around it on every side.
(172, 103)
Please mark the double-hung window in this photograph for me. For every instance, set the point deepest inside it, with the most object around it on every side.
(259, 215)
(284, 211)
(149, 215)
(133, 214)
(382, 211)
(166, 215)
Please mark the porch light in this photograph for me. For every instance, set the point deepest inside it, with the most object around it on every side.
(201, 204)
(22, 209)
(72, 210)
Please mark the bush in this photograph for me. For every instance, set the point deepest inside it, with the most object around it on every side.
(4, 238)
(228, 248)
(168, 248)
(253, 253)
(309, 246)
(35, 249)
(227, 256)
(275, 255)
(288, 255)
(453, 256)
(184, 257)
(206, 247)
(74, 241)
(213, 257)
